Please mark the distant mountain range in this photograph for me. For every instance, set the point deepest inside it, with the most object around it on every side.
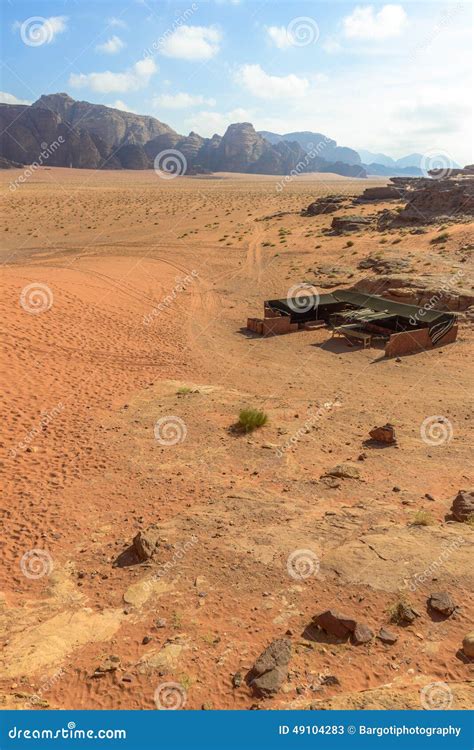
(98, 137)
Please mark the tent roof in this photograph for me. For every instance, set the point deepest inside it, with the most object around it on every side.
(380, 304)
(362, 300)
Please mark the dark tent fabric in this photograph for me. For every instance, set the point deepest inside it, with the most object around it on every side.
(398, 315)
(360, 299)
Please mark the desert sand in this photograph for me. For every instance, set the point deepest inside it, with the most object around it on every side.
(145, 288)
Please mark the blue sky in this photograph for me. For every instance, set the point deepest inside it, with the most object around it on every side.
(391, 77)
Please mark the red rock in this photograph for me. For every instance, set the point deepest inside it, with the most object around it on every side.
(335, 623)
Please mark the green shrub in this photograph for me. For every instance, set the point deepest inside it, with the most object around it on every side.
(440, 238)
(422, 518)
(250, 419)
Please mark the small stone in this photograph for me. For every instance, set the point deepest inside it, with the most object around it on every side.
(271, 668)
(147, 542)
(146, 639)
(330, 680)
(344, 471)
(396, 489)
(237, 680)
(468, 644)
(442, 602)
(387, 636)
(160, 623)
(335, 623)
(405, 613)
(110, 664)
(385, 434)
(362, 634)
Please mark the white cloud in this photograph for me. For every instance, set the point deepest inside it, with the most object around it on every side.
(260, 84)
(279, 36)
(41, 30)
(135, 77)
(191, 43)
(366, 23)
(6, 98)
(119, 104)
(117, 22)
(208, 123)
(331, 45)
(181, 100)
(111, 46)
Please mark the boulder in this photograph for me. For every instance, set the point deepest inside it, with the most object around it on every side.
(437, 198)
(441, 602)
(271, 668)
(468, 644)
(463, 505)
(385, 434)
(335, 623)
(147, 542)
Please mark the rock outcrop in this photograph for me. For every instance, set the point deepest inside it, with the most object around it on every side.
(328, 204)
(341, 224)
(390, 192)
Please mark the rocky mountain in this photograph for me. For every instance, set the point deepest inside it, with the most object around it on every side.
(28, 131)
(112, 126)
(99, 137)
(317, 143)
(383, 171)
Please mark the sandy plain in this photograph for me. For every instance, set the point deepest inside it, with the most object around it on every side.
(147, 284)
